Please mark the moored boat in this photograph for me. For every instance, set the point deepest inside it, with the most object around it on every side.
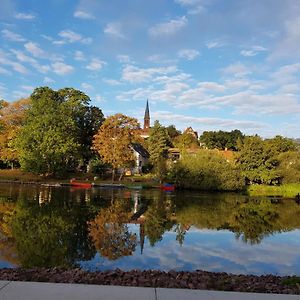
(167, 187)
(85, 185)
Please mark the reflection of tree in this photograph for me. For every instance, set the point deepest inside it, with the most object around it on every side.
(157, 219)
(42, 237)
(7, 242)
(254, 220)
(110, 233)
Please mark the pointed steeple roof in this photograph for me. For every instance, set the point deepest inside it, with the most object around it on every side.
(147, 113)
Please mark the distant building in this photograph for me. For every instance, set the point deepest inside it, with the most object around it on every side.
(191, 131)
(140, 153)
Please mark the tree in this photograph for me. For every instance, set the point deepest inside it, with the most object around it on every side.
(114, 138)
(157, 145)
(173, 133)
(110, 233)
(48, 142)
(258, 161)
(12, 118)
(185, 141)
(221, 139)
(289, 166)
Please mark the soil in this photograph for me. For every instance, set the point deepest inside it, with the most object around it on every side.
(151, 278)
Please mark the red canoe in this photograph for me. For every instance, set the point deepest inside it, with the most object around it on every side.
(168, 187)
(84, 185)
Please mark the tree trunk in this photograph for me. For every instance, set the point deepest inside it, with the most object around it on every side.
(113, 175)
(121, 176)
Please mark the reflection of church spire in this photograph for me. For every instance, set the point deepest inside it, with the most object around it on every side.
(142, 236)
(147, 117)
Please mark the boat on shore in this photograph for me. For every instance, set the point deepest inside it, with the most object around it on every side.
(168, 187)
(84, 185)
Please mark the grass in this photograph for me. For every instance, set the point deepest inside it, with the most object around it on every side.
(286, 190)
(292, 281)
(18, 175)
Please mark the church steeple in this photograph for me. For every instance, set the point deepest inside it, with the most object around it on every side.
(147, 117)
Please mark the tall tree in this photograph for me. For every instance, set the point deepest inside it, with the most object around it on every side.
(158, 144)
(12, 118)
(49, 140)
(114, 138)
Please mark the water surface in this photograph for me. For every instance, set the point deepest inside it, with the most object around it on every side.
(100, 229)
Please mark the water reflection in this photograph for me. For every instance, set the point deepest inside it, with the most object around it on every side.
(109, 228)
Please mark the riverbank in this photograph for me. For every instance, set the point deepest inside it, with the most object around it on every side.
(285, 190)
(201, 280)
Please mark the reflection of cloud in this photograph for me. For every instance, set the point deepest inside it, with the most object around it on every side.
(213, 251)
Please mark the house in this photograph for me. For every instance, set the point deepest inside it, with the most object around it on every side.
(140, 153)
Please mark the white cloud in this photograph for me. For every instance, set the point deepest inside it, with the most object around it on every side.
(12, 36)
(99, 99)
(168, 28)
(248, 53)
(114, 29)
(5, 60)
(23, 16)
(124, 58)
(61, 68)
(288, 46)
(69, 36)
(48, 80)
(237, 70)
(135, 75)
(214, 44)
(35, 50)
(194, 6)
(253, 51)
(79, 55)
(28, 88)
(83, 15)
(4, 71)
(96, 64)
(87, 86)
(212, 86)
(112, 82)
(23, 57)
(188, 54)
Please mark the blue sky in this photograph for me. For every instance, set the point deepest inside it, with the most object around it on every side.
(209, 64)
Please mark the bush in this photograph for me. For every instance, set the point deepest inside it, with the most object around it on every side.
(206, 170)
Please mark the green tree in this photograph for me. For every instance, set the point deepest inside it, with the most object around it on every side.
(173, 133)
(157, 145)
(289, 166)
(113, 141)
(185, 141)
(48, 142)
(221, 139)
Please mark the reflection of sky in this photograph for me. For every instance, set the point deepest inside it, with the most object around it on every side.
(211, 250)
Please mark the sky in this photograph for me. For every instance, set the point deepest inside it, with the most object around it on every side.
(209, 64)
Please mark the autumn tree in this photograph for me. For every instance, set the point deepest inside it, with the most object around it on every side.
(114, 139)
(12, 118)
(110, 233)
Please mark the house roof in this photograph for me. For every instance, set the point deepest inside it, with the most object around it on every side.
(140, 149)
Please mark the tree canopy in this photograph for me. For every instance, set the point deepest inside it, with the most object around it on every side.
(52, 138)
(221, 139)
(114, 139)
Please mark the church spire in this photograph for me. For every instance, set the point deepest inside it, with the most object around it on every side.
(147, 117)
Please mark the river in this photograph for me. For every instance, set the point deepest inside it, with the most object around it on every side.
(102, 228)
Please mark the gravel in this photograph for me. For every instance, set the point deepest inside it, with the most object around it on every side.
(152, 278)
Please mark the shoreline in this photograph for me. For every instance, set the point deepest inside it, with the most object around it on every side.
(201, 280)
